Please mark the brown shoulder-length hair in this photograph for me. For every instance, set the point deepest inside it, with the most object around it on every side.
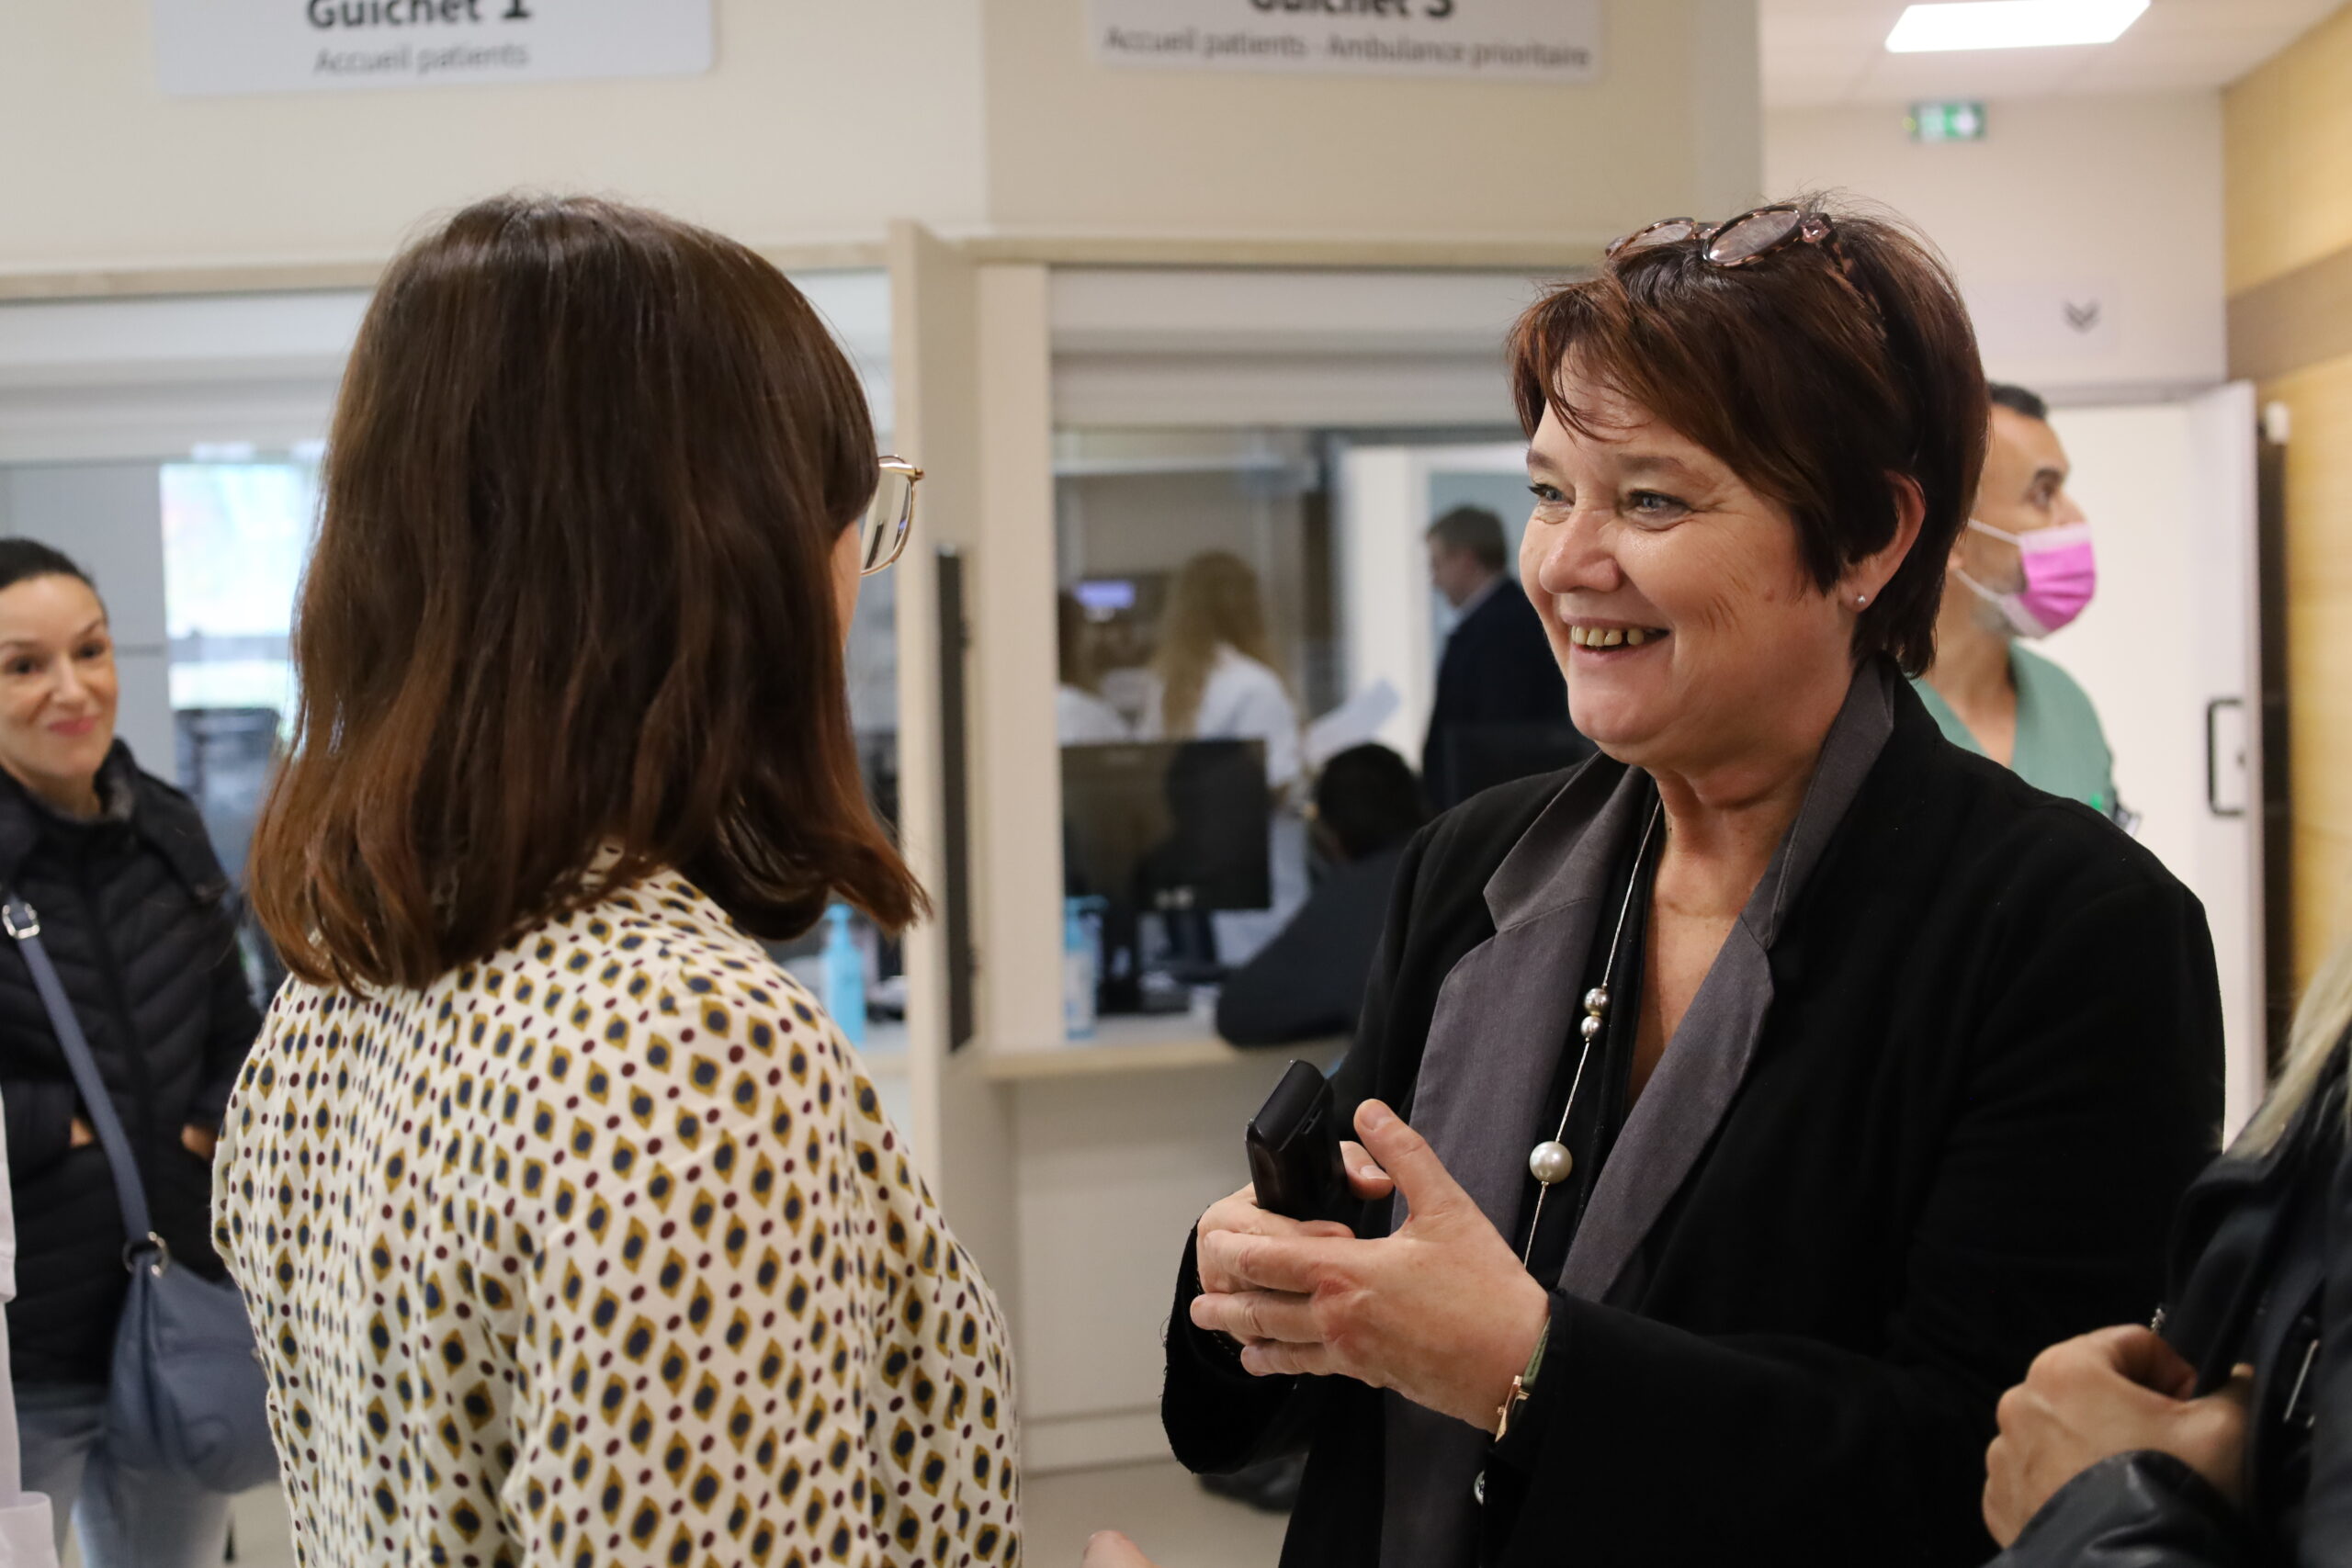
(573, 588)
(1818, 384)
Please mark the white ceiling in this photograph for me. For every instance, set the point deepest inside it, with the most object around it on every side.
(1833, 51)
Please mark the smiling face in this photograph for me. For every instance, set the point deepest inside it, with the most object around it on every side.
(1674, 596)
(57, 686)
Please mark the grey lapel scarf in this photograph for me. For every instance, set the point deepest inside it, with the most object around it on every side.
(1504, 1015)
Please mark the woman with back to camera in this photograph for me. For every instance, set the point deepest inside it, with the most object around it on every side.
(2222, 1438)
(132, 906)
(1780, 1080)
(572, 1230)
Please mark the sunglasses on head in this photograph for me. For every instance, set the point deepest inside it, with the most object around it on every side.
(1746, 239)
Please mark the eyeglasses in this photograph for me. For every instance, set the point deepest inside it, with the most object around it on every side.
(889, 516)
(1746, 239)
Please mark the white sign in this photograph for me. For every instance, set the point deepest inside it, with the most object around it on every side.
(209, 47)
(1546, 41)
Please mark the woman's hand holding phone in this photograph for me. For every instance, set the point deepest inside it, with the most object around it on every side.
(1441, 1310)
(1241, 1213)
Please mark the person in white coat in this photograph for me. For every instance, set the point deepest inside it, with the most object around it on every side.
(27, 1533)
(1081, 716)
(1213, 679)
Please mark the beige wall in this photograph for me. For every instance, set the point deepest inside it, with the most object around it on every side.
(820, 120)
(2048, 197)
(2288, 157)
(1075, 145)
(823, 120)
(2319, 649)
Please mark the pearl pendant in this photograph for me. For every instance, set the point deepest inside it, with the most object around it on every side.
(1596, 1000)
(1549, 1163)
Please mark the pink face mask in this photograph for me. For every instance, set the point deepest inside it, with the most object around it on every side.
(2061, 574)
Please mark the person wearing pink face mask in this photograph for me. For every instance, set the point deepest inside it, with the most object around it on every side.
(2021, 569)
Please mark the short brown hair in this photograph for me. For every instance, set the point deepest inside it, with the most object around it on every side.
(1476, 530)
(1813, 384)
(573, 588)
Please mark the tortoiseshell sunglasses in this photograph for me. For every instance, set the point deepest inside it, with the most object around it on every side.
(1746, 239)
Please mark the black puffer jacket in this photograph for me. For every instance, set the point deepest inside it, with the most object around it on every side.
(133, 909)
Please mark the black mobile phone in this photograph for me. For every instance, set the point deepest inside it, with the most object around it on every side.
(1294, 1148)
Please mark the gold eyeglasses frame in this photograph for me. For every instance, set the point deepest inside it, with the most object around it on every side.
(889, 516)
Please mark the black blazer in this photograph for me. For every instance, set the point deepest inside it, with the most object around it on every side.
(2263, 1277)
(1991, 1065)
(1497, 668)
(1308, 983)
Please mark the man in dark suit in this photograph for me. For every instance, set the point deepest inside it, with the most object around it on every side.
(1501, 709)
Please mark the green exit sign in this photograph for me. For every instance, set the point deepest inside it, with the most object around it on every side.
(1946, 122)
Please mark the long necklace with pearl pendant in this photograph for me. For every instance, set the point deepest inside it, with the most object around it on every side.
(1551, 1162)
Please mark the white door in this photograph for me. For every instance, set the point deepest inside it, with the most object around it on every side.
(2168, 652)
(1392, 621)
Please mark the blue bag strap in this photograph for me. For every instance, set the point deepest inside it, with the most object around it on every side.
(17, 917)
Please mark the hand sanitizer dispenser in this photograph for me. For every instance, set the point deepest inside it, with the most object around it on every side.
(844, 976)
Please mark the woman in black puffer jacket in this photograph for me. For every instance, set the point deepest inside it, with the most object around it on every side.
(134, 908)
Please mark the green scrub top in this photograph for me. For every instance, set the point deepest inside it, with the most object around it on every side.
(2060, 746)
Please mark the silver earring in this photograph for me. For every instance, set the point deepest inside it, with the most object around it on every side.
(1860, 600)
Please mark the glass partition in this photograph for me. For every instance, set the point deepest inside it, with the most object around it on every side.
(190, 492)
(1272, 586)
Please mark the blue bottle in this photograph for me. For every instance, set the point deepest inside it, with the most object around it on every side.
(844, 976)
(1081, 949)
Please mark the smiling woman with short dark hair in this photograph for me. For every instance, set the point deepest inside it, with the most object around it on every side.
(1780, 1080)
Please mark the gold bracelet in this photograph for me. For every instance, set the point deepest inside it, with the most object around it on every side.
(1503, 1411)
(1522, 1383)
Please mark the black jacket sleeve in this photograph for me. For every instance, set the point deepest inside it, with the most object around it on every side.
(231, 1030)
(1217, 1416)
(2149, 1510)
(2095, 1084)
(2140, 1510)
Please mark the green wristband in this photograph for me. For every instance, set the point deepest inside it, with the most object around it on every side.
(1536, 1357)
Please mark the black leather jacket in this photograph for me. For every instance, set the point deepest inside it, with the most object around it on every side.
(2263, 1276)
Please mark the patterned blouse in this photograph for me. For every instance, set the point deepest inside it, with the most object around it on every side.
(601, 1252)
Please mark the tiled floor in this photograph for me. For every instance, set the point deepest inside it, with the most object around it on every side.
(258, 1531)
(1163, 1508)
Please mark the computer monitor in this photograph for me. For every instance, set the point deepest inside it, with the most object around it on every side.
(1173, 829)
(1103, 597)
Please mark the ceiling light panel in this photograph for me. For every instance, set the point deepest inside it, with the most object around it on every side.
(2011, 24)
